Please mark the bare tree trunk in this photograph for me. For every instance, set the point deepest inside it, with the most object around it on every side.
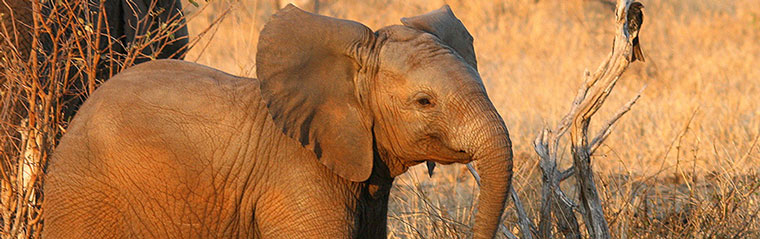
(599, 85)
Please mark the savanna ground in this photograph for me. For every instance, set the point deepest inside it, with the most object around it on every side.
(683, 163)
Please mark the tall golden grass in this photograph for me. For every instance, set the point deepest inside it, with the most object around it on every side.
(682, 164)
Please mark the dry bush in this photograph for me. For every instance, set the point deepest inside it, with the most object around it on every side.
(71, 55)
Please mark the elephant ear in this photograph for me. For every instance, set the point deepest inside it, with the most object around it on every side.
(443, 24)
(307, 65)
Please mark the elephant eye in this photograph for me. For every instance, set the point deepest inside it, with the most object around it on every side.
(423, 100)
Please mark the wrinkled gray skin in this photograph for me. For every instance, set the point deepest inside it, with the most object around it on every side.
(172, 149)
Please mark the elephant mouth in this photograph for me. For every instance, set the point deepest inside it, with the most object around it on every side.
(444, 154)
(434, 148)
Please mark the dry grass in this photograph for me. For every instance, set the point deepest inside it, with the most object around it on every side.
(682, 164)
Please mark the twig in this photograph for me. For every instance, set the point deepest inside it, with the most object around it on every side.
(607, 128)
(526, 225)
(567, 173)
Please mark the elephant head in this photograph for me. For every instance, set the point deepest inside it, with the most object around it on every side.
(405, 94)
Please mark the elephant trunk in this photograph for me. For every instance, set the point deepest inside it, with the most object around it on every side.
(496, 176)
(492, 150)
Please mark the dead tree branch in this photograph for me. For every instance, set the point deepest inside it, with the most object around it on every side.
(591, 95)
(599, 86)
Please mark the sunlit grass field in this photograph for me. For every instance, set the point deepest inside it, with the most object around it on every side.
(683, 163)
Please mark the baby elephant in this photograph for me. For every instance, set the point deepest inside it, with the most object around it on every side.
(310, 149)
